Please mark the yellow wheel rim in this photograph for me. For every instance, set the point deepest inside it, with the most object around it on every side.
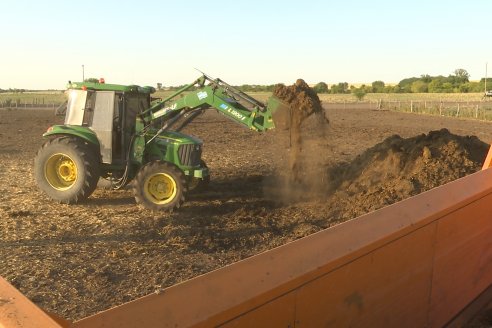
(60, 171)
(160, 188)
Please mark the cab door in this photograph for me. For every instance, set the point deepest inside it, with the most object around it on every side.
(102, 123)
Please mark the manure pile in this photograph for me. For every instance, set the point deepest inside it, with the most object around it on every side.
(399, 168)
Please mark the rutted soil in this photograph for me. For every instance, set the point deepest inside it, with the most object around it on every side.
(81, 259)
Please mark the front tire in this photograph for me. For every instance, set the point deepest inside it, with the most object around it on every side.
(159, 186)
(66, 169)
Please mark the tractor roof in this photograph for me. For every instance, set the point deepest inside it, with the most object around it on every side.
(110, 87)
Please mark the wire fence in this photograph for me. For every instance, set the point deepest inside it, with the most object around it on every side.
(481, 110)
(30, 104)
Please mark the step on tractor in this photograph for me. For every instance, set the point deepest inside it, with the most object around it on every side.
(116, 134)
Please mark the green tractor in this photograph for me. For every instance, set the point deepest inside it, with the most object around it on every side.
(119, 134)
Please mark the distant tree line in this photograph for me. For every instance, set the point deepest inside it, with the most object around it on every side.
(10, 90)
(244, 87)
(256, 88)
(457, 82)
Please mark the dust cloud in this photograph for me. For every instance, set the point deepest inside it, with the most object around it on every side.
(302, 103)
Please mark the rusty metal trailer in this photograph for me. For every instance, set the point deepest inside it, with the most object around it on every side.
(423, 262)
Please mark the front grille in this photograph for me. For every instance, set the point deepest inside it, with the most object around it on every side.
(190, 154)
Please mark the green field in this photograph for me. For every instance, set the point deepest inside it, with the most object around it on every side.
(57, 97)
(41, 97)
(403, 97)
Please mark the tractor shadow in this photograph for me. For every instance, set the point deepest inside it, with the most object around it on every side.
(221, 196)
(110, 198)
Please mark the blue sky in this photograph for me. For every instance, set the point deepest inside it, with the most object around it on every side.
(45, 43)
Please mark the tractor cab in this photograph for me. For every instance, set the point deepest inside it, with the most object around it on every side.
(110, 111)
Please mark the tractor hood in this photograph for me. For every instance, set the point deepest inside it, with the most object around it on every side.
(177, 138)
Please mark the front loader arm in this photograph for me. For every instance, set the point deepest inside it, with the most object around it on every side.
(234, 104)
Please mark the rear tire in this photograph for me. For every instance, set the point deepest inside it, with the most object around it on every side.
(159, 186)
(67, 169)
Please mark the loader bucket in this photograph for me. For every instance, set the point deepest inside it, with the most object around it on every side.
(281, 113)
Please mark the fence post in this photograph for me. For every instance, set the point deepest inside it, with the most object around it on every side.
(458, 111)
(411, 106)
(440, 108)
(476, 111)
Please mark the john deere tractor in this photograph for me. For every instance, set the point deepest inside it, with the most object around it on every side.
(119, 134)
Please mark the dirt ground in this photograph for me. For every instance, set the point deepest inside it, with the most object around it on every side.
(78, 260)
